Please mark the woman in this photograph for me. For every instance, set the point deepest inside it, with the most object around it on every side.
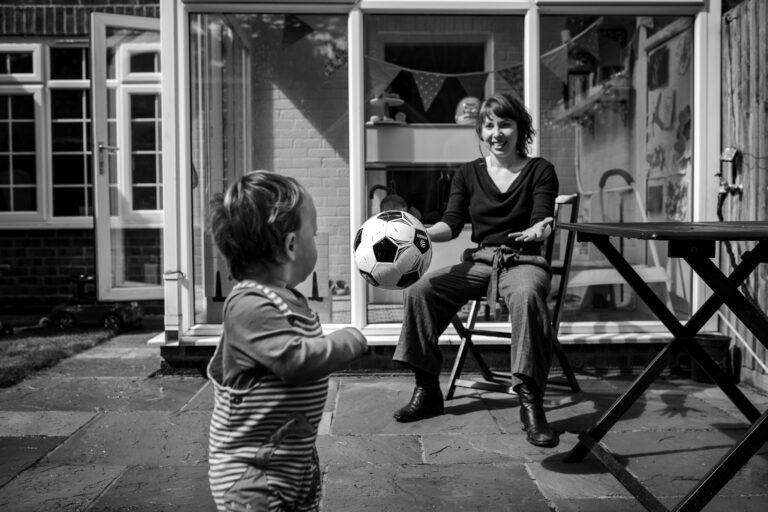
(509, 199)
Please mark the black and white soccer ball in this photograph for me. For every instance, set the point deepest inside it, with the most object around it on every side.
(392, 250)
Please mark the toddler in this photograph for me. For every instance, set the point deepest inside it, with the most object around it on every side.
(270, 369)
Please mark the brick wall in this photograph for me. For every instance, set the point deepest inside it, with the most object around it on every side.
(37, 265)
(65, 17)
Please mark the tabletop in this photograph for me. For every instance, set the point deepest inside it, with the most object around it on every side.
(675, 231)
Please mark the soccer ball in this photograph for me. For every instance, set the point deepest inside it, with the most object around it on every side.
(392, 250)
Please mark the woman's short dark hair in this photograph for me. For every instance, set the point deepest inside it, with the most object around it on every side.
(250, 221)
(506, 106)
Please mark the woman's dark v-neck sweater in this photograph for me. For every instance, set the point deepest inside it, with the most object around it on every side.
(493, 213)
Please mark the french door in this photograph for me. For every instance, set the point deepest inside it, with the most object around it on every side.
(126, 136)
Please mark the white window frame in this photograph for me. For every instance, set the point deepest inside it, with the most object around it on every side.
(36, 91)
(126, 215)
(36, 50)
(40, 82)
(124, 73)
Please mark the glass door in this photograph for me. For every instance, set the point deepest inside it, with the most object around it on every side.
(126, 136)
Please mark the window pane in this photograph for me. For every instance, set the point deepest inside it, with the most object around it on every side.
(144, 169)
(22, 106)
(67, 136)
(5, 142)
(16, 62)
(616, 122)
(5, 165)
(69, 202)
(69, 63)
(24, 170)
(69, 169)
(5, 102)
(424, 79)
(23, 136)
(277, 98)
(68, 104)
(145, 62)
(143, 135)
(144, 106)
(144, 198)
(24, 199)
(5, 199)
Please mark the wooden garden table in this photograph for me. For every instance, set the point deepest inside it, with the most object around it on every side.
(695, 242)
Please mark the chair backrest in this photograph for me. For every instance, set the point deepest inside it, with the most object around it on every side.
(562, 267)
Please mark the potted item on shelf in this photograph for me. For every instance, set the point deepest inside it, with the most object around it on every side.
(383, 102)
(467, 110)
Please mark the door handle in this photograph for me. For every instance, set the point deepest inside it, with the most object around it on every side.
(103, 148)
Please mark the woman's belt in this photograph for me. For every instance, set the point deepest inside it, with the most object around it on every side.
(500, 257)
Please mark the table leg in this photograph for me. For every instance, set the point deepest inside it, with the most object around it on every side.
(726, 467)
(724, 290)
(625, 401)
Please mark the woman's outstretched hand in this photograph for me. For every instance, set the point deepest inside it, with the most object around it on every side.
(536, 233)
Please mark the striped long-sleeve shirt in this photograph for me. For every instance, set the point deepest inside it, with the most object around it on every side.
(270, 377)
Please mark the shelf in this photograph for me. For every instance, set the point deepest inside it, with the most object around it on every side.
(420, 143)
(613, 91)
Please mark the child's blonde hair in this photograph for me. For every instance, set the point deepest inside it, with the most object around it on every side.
(250, 221)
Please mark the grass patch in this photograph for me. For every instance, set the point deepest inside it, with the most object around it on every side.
(31, 350)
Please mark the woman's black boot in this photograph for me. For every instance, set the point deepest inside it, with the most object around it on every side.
(427, 401)
(532, 417)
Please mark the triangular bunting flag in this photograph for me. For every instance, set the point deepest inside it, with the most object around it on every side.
(382, 74)
(514, 77)
(557, 62)
(473, 84)
(294, 29)
(428, 85)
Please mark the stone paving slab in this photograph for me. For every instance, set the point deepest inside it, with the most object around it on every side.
(42, 423)
(444, 488)
(667, 463)
(731, 504)
(19, 453)
(146, 438)
(368, 449)
(57, 487)
(143, 367)
(478, 449)
(43, 393)
(365, 406)
(166, 489)
(670, 463)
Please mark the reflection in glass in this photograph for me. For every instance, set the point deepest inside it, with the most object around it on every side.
(616, 121)
(269, 91)
(425, 76)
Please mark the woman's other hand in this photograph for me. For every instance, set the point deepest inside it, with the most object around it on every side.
(536, 233)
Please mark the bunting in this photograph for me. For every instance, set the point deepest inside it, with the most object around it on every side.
(428, 85)
(514, 77)
(382, 74)
(557, 62)
(294, 29)
(474, 84)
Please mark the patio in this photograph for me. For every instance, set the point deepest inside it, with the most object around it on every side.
(105, 430)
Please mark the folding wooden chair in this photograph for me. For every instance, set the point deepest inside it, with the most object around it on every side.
(501, 381)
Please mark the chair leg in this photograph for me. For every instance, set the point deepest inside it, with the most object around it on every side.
(567, 369)
(458, 365)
